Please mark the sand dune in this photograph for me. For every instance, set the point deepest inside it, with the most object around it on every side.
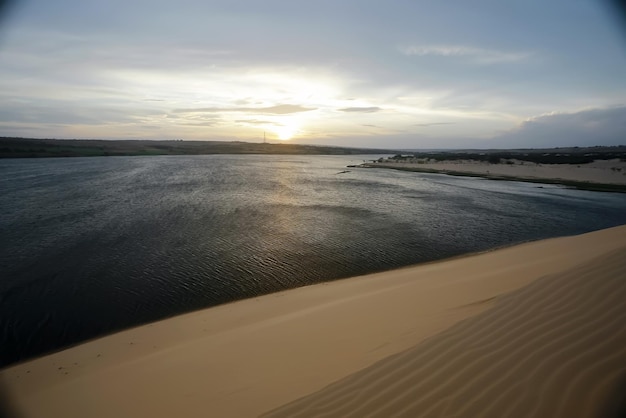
(601, 171)
(555, 348)
(538, 329)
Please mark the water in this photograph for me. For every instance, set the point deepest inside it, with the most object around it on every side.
(93, 245)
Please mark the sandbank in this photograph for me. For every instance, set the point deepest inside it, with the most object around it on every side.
(537, 329)
(609, 175)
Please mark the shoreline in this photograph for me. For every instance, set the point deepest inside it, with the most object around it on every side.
(615, 180)
(252, 356)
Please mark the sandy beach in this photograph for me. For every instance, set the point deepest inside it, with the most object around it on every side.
(537, 329)
(612, 172)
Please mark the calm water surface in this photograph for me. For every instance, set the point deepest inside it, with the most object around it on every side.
(93, 245)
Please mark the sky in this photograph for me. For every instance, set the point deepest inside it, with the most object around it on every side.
(411, 74)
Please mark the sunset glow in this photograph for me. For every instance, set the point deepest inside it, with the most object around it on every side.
(407, 75)
(285, 132)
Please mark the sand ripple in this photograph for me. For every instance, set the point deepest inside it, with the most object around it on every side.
(556, 348)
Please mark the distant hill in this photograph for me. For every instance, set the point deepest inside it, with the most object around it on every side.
(32, 148)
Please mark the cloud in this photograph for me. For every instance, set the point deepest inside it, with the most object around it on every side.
(256, 122)
(68, 63)
(477, 55)
(197, 124)
(282, 109)
(600, 126)
(433, 124)
(360, 109)
(56, 112)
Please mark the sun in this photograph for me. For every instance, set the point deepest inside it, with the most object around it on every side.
(285, 132)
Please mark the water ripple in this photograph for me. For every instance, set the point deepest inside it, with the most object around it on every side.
(93, 245)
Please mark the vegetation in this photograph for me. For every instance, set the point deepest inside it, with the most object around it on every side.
(574, 155)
